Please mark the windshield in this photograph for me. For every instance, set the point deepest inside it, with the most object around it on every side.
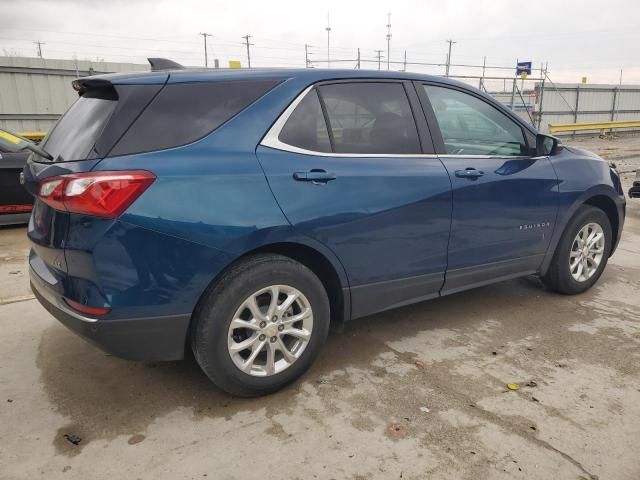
(75, 134)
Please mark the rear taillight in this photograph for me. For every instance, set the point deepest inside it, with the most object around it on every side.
(101, 194)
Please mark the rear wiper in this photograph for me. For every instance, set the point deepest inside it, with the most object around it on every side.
(13, 143)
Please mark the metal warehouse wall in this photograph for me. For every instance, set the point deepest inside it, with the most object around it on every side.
(574, 103)
(34, 92)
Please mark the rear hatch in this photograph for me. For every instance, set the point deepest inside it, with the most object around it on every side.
(86, 133)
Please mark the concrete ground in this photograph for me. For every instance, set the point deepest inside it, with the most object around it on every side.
(414, 393)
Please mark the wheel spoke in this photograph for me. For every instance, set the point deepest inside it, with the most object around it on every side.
(306, 313)
(288, 356)
(594, 239)
(273, 305)
(300, 333)
(243, 345)
(585, 267)
(574, 253)
(239, 323)
(254, 309)
(270, 366)
(578, 271)
(254, 353)
(288, 302)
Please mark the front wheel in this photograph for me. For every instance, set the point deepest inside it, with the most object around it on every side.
(582, 252)
(261, 326)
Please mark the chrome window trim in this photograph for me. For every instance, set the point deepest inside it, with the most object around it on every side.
(272, 140)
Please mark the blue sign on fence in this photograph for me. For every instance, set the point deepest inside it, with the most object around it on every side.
(523, 67)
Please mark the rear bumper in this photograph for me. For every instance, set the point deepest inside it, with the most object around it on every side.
(140, 339)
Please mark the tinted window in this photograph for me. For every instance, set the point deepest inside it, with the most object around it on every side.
(370, 118)
(306, 127)
(185, 112)
(76, 132)
(471, 126)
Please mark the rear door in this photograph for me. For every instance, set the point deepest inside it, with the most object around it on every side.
(504, 196)
(351, 165)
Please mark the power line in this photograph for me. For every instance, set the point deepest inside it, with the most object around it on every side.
(206, 57)
(246, 38)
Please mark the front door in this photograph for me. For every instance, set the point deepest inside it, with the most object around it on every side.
(504, 197)
(349, 169)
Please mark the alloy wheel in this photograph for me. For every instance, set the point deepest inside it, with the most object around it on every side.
(270, 330)
(587, 251)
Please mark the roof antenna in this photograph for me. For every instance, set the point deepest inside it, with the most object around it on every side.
(159, 64)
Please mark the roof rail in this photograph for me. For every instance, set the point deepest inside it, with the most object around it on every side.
(159, 64)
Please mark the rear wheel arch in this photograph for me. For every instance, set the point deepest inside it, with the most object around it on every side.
(310, 257)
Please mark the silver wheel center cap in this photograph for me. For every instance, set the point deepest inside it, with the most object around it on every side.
(270, 330)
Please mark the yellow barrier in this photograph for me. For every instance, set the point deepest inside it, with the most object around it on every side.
(602, 126)
(34, 136)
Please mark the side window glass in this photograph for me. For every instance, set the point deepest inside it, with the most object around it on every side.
(370, 118)
(471, 126)
(306, 127)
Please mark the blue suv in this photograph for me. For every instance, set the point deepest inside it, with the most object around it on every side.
(238, 212)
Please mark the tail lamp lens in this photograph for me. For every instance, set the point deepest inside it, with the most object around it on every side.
(101, 194)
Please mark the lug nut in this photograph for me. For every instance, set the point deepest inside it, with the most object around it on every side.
(274, 318)
(262, 337)
(273, 339)
(280, 328)
(263, 324)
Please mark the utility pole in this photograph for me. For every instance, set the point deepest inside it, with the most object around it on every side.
(358, 64)
(484, 66)
(388, 39)
(206, 58)
(620, 81)
(328, 29)
(307, 62)
(379, 56)
(246, 39)
(39, 44)
(404, 64)
(450, 42)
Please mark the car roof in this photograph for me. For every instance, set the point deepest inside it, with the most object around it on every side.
(189, 75)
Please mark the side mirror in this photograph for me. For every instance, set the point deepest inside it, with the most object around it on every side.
(10, 142)
(546, 144)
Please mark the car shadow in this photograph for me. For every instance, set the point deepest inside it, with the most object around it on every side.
(104, 397)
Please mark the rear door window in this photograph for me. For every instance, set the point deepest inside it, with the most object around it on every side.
(306, 127)
(185, 112)
(75, 134)
(370, 118)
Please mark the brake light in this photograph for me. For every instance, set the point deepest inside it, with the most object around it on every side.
(101, 194)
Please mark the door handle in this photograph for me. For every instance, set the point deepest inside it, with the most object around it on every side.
(470, 173)
(315, 176)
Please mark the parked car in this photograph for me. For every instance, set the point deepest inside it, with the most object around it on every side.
(238, 212)
(15, 202)
(634, 191)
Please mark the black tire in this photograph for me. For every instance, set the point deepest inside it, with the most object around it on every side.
(212, 318)
(558, 277)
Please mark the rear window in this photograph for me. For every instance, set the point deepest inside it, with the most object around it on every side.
(185, 112)
(75, 134)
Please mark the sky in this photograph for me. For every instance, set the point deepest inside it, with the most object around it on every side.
(587, 38)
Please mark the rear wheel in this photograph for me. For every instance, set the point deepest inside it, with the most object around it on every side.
(261, 326)
(582, 252)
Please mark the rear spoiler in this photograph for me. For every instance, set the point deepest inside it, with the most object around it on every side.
(84, 84)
